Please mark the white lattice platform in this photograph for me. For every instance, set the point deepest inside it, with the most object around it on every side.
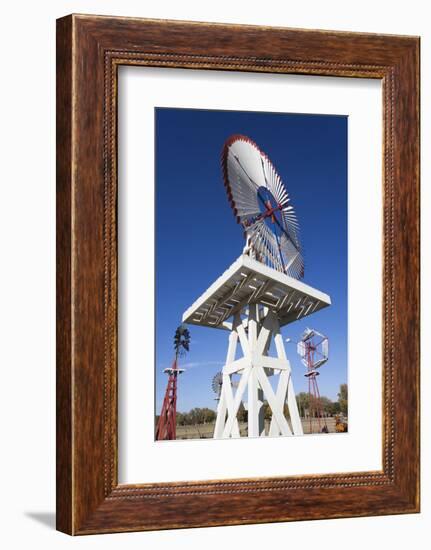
(249, 281)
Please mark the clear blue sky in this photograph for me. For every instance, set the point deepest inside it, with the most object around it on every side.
(197, 237)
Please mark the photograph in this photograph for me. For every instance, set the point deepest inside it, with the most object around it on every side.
(251, 249)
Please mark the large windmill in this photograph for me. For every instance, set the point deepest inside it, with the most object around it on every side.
(258, 294)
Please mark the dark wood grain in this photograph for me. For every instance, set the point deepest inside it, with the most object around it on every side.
(90, 49)
(64, 288)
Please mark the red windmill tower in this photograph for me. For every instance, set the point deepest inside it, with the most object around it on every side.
(313, 349)
(166, 426)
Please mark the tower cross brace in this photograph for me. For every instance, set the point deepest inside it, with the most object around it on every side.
(254, 332)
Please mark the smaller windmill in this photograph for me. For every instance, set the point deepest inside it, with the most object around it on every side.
(217, 384)
(313, 348)
(167, 424)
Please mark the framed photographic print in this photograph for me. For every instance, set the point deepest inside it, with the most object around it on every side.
(237, 274)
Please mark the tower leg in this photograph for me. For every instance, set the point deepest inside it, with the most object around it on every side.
(256, 420)
(256, 413)
(255, 367)
(221, 416)
(226, 396)
(291, 398)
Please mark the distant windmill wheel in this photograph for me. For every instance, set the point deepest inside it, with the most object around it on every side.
(262, 206)
(216, 384)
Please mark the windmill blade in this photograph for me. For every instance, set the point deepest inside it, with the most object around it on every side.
(295, 264)
(261, 204)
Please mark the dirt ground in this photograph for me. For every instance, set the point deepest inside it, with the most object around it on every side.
(205, 431)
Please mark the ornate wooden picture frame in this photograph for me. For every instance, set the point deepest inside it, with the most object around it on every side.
(89, 51)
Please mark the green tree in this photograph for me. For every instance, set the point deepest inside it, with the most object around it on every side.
(242, 414)
(267, 413)
(334, 408)
(208, 415)
(181, 419)
(196, 416)
(343, 398)
(303, 401)
(325, 404)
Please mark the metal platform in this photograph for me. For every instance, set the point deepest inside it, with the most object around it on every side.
(249, 281)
